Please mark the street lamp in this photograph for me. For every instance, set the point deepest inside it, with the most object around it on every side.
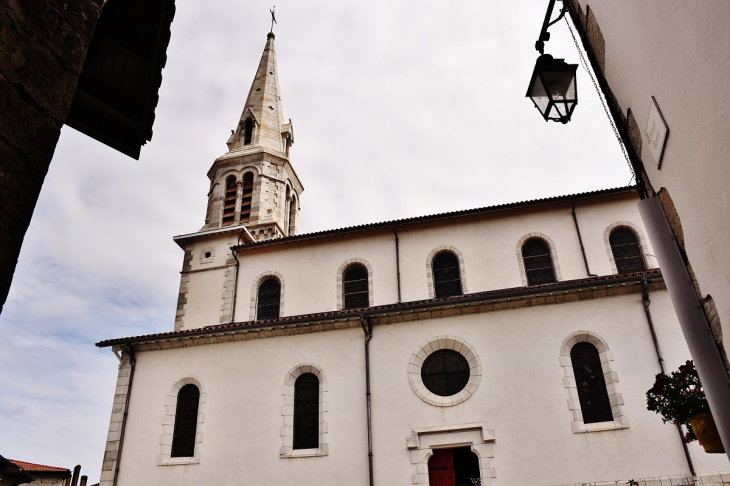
(553, 87)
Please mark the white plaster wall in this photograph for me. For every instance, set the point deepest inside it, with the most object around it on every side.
(241, 431)
(205, 297)
(487, 242)
(521, 395)
(309, 270)
(681, 56)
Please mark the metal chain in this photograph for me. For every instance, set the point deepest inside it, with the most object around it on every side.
(586, 66)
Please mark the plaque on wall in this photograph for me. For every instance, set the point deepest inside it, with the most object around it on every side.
(656, 132)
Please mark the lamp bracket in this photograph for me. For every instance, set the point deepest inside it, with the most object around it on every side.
(544, 34)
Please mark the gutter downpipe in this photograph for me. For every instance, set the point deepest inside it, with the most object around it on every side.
(580, 239)
(235, 278)
(645, 299)
(368, 336)
(132, 363)
(397, 262)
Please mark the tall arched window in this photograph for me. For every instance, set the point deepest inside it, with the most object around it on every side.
(246, 197)
(592, 392)
(186, 422)
(267, 306)
(538, 262)
(247, 131)
(306, 412)
(292, 214)
(626, 250)
(229, 202)
(446, 275)
(355, 289)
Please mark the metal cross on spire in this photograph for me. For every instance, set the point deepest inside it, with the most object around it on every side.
(273, 18)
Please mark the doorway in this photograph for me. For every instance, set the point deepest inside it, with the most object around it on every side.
(454, 467)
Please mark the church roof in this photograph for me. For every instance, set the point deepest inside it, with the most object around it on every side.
(516, 293)
(437, 217)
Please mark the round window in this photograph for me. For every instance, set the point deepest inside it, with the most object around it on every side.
(445, 372)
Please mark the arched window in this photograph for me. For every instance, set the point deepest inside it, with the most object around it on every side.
(356, 293)
(246, 197)
(292, 214)
(306, 412)
(592, 392)
(186, 421)
(626, 251)
(269, 299)
(446, 275)
(287, 209)
(247, 131)
(538, 262)
(229, 202)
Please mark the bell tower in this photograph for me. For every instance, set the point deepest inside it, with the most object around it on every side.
(254, 184)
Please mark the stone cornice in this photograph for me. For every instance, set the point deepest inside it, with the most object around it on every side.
(482, 302)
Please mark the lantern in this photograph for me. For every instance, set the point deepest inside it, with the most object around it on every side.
(553, 88)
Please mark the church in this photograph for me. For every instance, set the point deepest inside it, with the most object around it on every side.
(509, 345)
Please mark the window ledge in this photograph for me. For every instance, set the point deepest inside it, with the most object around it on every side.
(165, 460)
(286, 453)
(581, 428)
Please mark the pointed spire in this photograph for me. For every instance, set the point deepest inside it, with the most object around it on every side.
(262, 121)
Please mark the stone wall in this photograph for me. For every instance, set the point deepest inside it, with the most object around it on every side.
(42, 50)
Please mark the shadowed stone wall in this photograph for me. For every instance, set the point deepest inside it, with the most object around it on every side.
(42, 49)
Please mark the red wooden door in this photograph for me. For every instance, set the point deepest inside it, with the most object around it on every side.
(441, 468)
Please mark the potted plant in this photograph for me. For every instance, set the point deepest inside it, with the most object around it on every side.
(680, 399)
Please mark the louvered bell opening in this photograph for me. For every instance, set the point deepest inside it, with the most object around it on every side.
(445, 372)
(626, 251)
(538, 262)
(592, 392)
(553, 88)
(446, 275)
(269, 299)
(306, 412)
(355, 287)
(229, 203)
(246, 198)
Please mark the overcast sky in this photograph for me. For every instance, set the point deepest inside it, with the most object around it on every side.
(399, 108)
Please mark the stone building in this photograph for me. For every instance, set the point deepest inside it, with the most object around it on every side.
(506, 345)
(660, 66)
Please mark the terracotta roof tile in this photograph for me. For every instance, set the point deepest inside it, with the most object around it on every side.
(29, 466)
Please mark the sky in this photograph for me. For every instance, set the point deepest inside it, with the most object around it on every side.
(400, 109)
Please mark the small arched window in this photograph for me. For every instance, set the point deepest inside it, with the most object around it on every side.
(292, 214)
(538, 262)
(269, 299)
(229, 202)
(306, 412)
(446, 275)
(626, 251)
(186, 422)
(246, 197)
(592, 392)
(247, 131)
(355, 289)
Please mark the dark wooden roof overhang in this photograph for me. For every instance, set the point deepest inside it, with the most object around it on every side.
(117, 91)
(479, 298)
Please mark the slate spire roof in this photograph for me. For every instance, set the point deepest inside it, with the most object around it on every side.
(264, 106)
